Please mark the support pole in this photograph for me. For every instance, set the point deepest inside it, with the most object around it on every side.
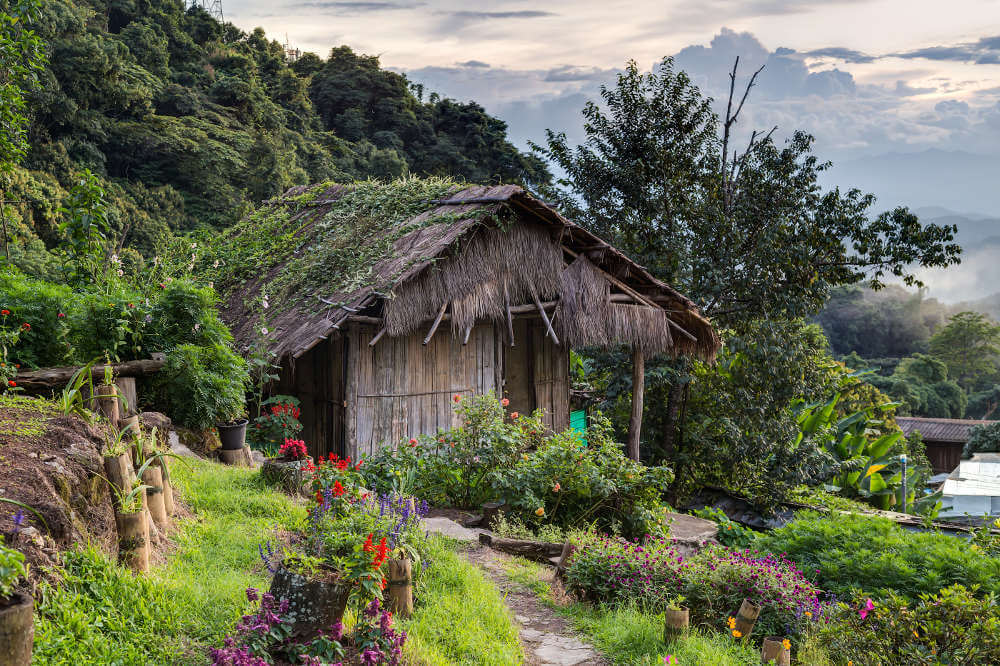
(510, 317)
(545, 317)
(437, 322)
(638, 390)
(378, 336)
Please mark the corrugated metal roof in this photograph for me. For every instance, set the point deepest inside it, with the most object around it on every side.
(938, 430)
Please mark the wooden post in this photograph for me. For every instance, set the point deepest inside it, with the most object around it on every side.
(638, 391)
(437, 322)
(773, 652)
(746, 617)
(545, 317)
(153, 476)
(401, 587)
(510, 317)
(133, 540)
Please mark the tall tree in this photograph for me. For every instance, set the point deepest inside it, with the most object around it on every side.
(968, 345)
(748, 234)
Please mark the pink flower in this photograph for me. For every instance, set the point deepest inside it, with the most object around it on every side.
(869, 607)
(505, 402)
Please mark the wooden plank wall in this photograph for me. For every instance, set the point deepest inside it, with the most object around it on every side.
(551, 377)
(400, 388)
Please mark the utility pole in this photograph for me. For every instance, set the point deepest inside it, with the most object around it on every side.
(902, 459)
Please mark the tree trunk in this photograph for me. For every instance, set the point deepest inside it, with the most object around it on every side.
(54, 378)
(638, 390)
(672, 422)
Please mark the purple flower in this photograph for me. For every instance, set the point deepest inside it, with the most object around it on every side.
(18, 520)
(253, 594)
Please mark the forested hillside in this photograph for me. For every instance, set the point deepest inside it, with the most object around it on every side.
(187, 121)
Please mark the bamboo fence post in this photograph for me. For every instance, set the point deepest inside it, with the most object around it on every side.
(401, 587)
(638, 396)
(133, 540)
(774, 652)
(153, 476)
(746, 618)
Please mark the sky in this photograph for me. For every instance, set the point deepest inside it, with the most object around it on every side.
(902, 95)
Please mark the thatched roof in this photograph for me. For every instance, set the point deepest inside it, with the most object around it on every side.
(478, 249)
(955, 431)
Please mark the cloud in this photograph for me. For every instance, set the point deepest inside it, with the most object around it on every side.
(903, 89)
(473, 63)
(572, 73)
(840, 53)
(985, 51)
(346, 7)
(478, 16)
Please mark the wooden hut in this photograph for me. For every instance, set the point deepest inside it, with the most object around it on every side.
(471, 290)
(944, 439)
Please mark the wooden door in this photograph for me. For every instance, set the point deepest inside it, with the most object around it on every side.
(551, 377)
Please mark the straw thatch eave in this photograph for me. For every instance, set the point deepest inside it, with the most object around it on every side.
(495, 247)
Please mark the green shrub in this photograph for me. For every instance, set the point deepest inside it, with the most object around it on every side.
(848, 554)
(203, 386)
(185, 314)
(11, 569)
(572, 483)
(38, 303)
(950, 627)
(454, 466)
(982, 438)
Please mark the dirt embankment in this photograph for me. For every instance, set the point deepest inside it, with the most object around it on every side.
(51, 464)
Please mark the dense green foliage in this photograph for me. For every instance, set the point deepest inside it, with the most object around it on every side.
(204, 381)
(186, 121)
(542, 480)
(982, 438)
(755, 242)
(955, 626)
(854, 554)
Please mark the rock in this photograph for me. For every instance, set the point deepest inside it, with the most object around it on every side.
(449, 528)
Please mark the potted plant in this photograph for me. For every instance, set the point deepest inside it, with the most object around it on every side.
(233, 433)
(106, 394)
(17, 629)
(316, 592)
(675, 622)
(133, 528)
(287, 469)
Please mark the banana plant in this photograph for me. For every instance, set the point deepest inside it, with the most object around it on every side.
(864, 467)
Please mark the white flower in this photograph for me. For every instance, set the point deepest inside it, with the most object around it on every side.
(264, 330)
(115, 259)
(121, 273)
(263, 304)
(211, 285)
(194, 245)
(193, 256)
(197, 327)
(215, 264)
(156, 260)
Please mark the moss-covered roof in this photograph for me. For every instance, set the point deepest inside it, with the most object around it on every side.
(322, 253)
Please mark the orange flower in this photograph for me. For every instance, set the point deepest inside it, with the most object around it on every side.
(787, 644)
(556, 487)
(737, 633)
(514, 415)
(731, 622)
(505, 402)
(540, 511)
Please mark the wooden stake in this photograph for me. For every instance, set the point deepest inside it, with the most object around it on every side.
(510, 317)
(401, 587)
(545, 317)
(437, 322)
(468, 332)
(153, 476)
(378, 336)
(638, 391)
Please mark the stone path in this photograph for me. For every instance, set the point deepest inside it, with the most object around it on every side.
(548, 639)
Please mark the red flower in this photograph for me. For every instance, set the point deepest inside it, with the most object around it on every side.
(456, 398)
(26, 326)
(338, 489)
(11, 383)
(505, 402)
(369, 547)
(413, 442)
(4, 312)
(514, 415)
(131, 305)
(61, 315)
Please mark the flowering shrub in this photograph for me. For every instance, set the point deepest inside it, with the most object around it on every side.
(454, 466)
(715, 582)
(718, 580)
(572, 483)
(613, 570)
(949, 627)
(9, 336)
(278, 422)
(336, 484)
(262, 637)
(293, 449)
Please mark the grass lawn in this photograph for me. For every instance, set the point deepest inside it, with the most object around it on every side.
(628, 635)
(102, 614)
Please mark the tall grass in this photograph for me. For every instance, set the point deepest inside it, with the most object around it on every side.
(103, 614)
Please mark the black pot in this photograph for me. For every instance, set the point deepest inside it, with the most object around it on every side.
(17, 630)
(233, 435)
